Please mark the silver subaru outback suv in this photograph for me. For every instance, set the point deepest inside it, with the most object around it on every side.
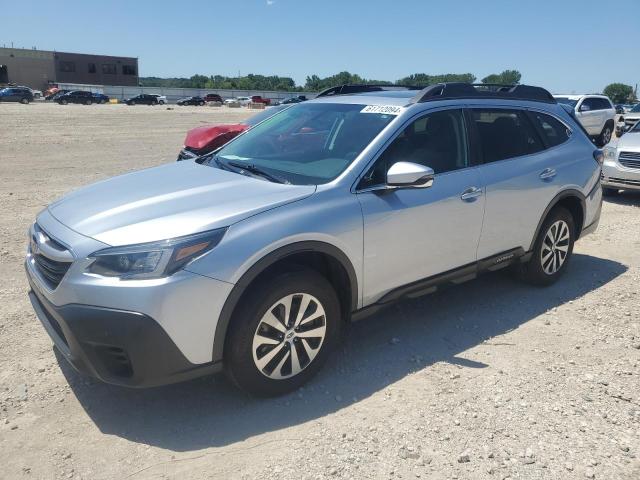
(251, 259)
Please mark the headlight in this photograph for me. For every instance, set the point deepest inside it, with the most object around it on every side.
(609, 153)
(155, 259)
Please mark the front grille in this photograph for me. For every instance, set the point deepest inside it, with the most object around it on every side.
(50, 269)
(629, 159)
(625, 181)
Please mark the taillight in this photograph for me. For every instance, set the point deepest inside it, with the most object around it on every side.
(598, 156)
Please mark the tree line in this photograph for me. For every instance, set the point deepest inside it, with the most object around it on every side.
(314, 83)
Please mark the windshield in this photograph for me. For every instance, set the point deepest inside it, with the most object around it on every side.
(635, 109)
(567, 101)
(307, 143)
(266, 113)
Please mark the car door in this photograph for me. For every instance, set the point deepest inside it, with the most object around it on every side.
(415, 233)
(589, 116)
(518, 176)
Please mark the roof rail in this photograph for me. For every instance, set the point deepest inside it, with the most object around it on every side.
(351, 88)
(455, 90)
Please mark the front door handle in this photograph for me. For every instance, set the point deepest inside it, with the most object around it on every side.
(470, 194)
(548, 174)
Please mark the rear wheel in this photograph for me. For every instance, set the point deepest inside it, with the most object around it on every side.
(282, 333)
(88, 102)
(132, 103)
(552, 249)
(63, 102)
(201, 104)
(161, 102)
(24, 101)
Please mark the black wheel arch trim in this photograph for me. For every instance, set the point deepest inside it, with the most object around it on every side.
(260, 266)
(571, 192)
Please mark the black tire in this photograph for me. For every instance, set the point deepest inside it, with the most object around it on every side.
(155, 102)
(132, 103)
(610, 192)
(88, 102)
(201, 104)
(63, 102)
(24, 101)
(161, 102)
(239, 361)
(537, 270)
(606, 135)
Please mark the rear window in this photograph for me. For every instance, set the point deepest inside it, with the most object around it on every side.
(505, 134)
(553, 130)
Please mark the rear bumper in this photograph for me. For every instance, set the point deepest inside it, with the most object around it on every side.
(116, 346)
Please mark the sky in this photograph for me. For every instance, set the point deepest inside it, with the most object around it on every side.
(566, 46)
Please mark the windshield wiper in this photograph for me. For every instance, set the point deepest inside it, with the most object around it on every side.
(251, 168)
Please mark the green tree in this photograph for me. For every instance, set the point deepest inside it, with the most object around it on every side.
(619, 92)
(424, 80)
(508, 77)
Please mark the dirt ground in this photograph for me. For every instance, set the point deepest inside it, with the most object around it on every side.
(490, 379)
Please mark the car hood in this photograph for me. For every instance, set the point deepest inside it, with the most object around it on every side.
(630, 140)
(200, 137)
(169, 201)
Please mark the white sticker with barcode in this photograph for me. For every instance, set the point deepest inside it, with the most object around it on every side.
(384, 109)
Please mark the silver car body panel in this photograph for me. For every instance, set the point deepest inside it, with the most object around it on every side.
(380, 234)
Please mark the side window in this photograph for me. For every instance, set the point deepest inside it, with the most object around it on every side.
(554, 131)
(505, 134)
(604, 104)
(437, 140)
(588, 104)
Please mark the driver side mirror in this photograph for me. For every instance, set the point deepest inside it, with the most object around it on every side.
(409, 175)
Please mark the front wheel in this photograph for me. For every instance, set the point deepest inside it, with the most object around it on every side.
(161, 102)
(88, 102)
(63, 102)
(282, 333)
(609, 192)
(24, 101)
(552, 249)
(605, 135)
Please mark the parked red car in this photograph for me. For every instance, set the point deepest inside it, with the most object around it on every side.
(213, 97)
(202, 140)
(259, 99)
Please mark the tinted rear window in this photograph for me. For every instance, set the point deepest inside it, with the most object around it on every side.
(505, 134)
(554, 131)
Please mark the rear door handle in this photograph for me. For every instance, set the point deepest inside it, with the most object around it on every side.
(470, 194)
(548, 173)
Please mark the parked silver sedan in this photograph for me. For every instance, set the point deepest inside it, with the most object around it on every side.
(621, 169)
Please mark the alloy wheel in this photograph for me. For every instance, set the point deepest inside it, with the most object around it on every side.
(289, 336)
(606, 135)
(555, 247)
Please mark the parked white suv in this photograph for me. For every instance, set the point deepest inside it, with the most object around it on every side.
(596, 113)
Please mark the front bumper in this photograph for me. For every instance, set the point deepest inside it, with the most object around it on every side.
(615, 175)
(116, 346)
(180, 312)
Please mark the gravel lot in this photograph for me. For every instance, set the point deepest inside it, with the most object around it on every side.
(490, 379)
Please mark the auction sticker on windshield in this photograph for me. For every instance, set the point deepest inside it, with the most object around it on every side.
(385, 109)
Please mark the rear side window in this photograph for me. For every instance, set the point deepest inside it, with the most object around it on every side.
(554, 131)
(505, 134)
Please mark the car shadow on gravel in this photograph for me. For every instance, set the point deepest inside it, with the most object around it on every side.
(376, 352)
(627, 198)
